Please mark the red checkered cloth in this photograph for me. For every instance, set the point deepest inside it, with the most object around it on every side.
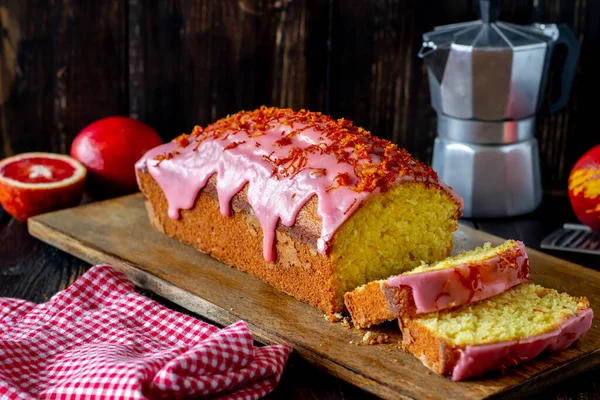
(99, 339)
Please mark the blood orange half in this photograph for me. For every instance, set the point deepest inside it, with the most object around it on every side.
(35, 183)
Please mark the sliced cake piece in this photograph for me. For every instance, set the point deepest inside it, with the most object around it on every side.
(496, 333)
(467, 277)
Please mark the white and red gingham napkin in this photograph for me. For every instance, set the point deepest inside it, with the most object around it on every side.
(99, 339)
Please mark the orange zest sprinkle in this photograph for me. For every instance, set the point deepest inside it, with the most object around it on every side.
(341, 179)
(161, 157)
(233, 145)
(284, 141)
(351, 205)
(471, 281)
(377, 163)
(318, 171)
(182, 140)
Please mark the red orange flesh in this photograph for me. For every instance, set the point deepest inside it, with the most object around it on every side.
(35, 183)
(38, 170)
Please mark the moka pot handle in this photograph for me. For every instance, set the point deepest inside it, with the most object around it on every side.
(566, 37)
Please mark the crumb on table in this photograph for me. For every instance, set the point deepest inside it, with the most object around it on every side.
(337, 317)
(373, 338)
(346, 322)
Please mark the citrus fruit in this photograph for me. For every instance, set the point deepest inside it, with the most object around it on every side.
(584, 188)
(109, 148)
(35, 183)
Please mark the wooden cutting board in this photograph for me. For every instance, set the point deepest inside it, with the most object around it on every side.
(117, 232)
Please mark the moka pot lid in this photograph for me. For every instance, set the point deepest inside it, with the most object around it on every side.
(488, 70)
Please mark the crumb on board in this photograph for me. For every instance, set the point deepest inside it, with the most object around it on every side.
(337, 317)
(373, 338)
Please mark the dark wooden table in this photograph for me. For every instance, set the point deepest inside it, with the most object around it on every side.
(32, 270)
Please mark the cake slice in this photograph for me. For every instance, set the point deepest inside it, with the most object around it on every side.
(496, 333)
(467, 277)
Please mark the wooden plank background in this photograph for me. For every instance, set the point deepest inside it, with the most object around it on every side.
(177, 63)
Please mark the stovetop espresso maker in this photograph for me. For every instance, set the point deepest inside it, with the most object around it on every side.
(487, 81)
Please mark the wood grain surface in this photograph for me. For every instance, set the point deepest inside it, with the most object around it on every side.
(117, 232)
(62, 65)
(178, 63)
(32, 270)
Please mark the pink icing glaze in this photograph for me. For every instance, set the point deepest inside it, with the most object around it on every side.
(477, 360)
(438, 289)
(182, 177)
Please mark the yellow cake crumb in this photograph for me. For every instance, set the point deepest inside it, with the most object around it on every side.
(336, 317)
(346, 322)
(524, 311)
(391, 234)
(372, 338)
(478, 254)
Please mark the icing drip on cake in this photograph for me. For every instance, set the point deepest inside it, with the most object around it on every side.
(476, 360)
(443, 288)
(285, 158)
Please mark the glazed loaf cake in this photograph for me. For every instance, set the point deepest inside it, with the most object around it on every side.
(467, 277)
(314, 206)
(497, 333)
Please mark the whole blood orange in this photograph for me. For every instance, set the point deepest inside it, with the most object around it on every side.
(584, 188)
(109, 148)
(35, 183)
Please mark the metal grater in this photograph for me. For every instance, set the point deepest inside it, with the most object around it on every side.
(573, 237)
